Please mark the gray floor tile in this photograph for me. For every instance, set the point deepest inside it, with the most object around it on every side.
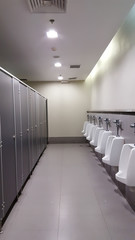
(78, 227)
(70, 196)
(30, 235)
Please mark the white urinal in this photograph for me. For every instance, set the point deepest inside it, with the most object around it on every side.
(126, 156)
(99, 138)
(102, 143)
(91, 132)
(94, 141)
(87, 129)
(131, 169)
(113, 150)
(108, 147)
(84, 126)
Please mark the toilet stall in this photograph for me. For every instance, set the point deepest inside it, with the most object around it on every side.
(23, 137)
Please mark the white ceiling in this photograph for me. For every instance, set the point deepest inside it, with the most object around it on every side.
(84, 31)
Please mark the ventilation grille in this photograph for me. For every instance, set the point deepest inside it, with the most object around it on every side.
(74, 66)
(47, 6)
(56, 56)
(72, 78)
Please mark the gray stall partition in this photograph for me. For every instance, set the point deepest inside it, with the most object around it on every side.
(33, 127)
(23, 134)
(18, 134)
(37, 125)
(46, 122)
(43, 128)
(1, 181)
(25, 131)
(8, 140)
(31, 106)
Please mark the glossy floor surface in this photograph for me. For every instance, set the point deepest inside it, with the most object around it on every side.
(70, 197)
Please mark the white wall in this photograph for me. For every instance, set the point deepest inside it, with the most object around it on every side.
(113, 78)
(110, 86)
(67, 106)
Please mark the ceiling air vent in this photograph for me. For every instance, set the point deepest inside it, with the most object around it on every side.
(72, 78)
(74, 66)
(56, 56)
(47, 6)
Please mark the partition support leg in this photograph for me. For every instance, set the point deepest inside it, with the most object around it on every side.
(1, 231)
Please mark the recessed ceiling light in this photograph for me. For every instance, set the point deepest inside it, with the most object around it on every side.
(60, 77)
(57, 64)
(52, 34)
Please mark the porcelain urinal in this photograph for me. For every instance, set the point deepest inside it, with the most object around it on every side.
(99, 142)
(102, 143)
(130, 181)
(126, 174)
(94, 141)
(113, 150)
(100, 137)
(108, 147)
(91, 132)
(87, 129)
(126, 158)
(84, 126)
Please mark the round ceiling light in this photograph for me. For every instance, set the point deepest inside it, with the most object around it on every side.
(52, 34)
(57, 64)
(60, 77)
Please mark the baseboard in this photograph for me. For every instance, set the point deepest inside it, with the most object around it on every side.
(67, 140)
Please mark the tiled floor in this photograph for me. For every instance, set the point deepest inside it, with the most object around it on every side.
(70, 197)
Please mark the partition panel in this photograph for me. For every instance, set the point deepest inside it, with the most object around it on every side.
(8, 139)
(41, 123)
(46, 121)
(38, 124)
(22, 137)
(34, 128)
(25, 132)
(18, 134)
(30, 128)
(1, 179)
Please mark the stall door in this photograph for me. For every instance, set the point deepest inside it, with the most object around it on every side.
(8, 139)
(38, 124)
(42, 126)
(1, 179)
(18, 134)
(46, 122)
(25, 131)
(32, 117)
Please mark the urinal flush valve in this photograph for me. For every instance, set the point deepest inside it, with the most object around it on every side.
(118, 126)
(107, 120)
(100, 121)
(88, 117)
(94, 119)
(133, 126)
